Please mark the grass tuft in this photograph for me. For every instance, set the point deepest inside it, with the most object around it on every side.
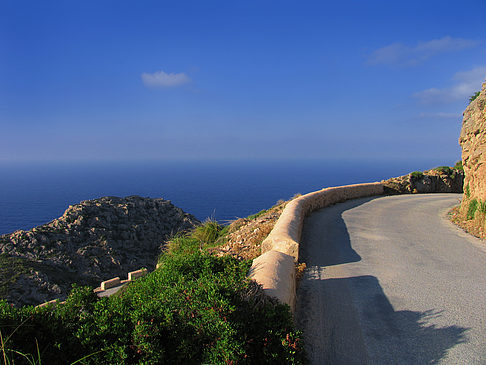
(471, 210)
(207, 233)
(482, 207)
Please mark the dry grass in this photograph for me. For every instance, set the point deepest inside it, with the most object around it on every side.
(245, 235)
(473, 226)
(299, 271)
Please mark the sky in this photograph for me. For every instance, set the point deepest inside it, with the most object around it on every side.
(237, 80)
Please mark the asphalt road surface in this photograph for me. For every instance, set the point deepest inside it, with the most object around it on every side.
(390, 280)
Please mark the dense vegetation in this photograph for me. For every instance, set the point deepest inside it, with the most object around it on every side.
(195, 308)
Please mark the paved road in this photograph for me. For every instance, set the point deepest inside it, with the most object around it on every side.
(391, 281)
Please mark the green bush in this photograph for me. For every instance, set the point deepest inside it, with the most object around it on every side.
(471, 210)
(444, 170)
(194, 309)
(474, 96)
(417, 174)
(458, 166)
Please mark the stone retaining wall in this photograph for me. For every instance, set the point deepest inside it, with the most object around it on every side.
(275, 268)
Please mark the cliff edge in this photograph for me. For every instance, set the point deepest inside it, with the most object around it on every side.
(473, 143)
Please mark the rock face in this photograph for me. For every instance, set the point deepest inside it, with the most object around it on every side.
(439, 180)
(473, 143)
(92, 241)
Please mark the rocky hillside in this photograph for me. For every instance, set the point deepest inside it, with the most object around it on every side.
(442, 179)
(473, 143)
(92, 241)
(245, 235)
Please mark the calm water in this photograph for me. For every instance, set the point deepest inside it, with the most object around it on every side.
(33, 194)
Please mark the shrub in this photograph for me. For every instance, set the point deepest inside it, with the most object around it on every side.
(471, 210)
(474, 96)
(444, 170)
(458, 166)
(193, 309)
(417, 174)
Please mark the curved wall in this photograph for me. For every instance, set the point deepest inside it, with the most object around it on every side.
(275, 268)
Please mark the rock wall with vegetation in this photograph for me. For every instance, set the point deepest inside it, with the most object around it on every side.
(442, 179)
(92, 241)
(473, 143)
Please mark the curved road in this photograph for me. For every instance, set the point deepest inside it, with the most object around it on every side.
(390, 280)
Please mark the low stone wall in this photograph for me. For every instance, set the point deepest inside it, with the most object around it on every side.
(275, 268)
(105, 285)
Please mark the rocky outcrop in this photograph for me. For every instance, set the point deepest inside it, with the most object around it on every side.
(92, 241)
(473, 143)
(439, 180)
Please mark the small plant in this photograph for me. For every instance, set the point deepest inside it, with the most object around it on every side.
(474, 96)
(482, 207)
(299, 270)
(467, 191)
(458, 166)
(207, 233)
(443, 170)
(256, 215)
(417, 174)
(471, 210)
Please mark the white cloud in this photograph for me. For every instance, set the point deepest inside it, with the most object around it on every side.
(161, 79)
(466, 83)
(403, 55)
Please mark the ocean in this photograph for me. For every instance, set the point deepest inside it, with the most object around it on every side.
(34, 194)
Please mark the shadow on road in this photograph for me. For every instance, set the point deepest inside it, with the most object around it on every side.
(350, 320)
(333, 246)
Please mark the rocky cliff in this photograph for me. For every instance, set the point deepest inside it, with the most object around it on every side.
(92, 241)
(441, 179)
(473, 143)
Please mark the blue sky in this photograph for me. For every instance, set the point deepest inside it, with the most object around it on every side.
(160, 80)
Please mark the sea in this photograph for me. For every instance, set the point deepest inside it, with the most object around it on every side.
(32, 194)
